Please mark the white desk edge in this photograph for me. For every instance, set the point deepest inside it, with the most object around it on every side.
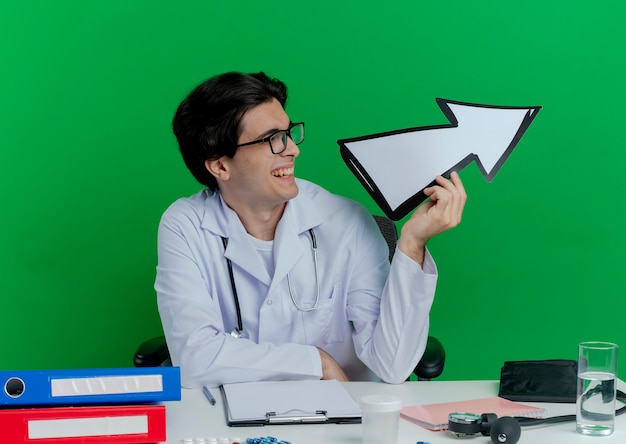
(194, 417)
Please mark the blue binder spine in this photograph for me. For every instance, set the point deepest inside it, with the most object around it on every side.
(89, 386)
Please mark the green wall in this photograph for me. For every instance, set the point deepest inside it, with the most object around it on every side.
(88, 162)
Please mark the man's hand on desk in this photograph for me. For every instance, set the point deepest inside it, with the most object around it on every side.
(330, 368)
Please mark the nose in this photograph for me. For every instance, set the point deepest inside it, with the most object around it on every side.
(292, 149)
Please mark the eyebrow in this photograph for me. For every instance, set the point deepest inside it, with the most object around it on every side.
(272, 131)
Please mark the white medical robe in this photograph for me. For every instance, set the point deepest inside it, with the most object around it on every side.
(372, 319)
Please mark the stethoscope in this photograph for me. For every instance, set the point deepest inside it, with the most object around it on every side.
(507, 429)
(238, 332)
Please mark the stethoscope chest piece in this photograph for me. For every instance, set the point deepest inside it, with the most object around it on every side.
(464, 425)
(505, 430)
(239, 334)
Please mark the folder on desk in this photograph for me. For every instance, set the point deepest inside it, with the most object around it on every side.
(435, 416)
(89, 386)
(121, 424)
(289, 402)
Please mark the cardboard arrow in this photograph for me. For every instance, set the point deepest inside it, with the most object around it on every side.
(396, 166)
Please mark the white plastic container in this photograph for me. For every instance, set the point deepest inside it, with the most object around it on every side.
(380, 418)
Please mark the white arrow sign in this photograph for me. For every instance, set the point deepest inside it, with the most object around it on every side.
(396, 166)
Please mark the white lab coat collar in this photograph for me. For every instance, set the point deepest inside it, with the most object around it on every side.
(301, 214)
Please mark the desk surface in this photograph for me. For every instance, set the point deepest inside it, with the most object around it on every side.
(195, 417)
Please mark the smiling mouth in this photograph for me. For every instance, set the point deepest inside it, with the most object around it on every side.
(283, 172)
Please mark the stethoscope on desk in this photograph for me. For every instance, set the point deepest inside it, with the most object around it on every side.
(238, 332)
(507, 429)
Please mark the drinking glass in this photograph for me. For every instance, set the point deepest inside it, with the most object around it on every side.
(595, 393)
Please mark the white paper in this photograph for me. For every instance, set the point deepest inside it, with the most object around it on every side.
(253, 400)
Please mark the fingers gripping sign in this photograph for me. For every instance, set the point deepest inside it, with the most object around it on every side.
(442, 211)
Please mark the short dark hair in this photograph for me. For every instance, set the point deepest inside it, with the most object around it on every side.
(207, 122)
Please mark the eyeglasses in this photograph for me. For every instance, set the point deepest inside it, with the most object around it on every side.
(278, 139)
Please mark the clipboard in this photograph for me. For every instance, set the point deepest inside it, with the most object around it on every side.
(262, 403)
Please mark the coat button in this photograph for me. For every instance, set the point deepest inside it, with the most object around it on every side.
(269, 302)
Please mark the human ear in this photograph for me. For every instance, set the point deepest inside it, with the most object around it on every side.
(218, 168)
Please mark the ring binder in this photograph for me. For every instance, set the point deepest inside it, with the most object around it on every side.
(89, 386)
(123, 424)
(288, 418)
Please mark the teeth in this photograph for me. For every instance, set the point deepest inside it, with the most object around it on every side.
(281, 172)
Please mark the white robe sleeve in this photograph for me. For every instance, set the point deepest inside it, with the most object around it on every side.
(390, 333)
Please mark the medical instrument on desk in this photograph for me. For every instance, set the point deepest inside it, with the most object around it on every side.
(261, 440)
(212, 441)
(239, 332)
(507, 429)
(265, 440)
(501, 430)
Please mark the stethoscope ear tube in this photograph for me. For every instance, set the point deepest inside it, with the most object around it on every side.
(238, 332)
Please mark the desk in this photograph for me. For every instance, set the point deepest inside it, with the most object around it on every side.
(195, 417)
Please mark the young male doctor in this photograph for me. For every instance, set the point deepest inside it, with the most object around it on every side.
(262, 276)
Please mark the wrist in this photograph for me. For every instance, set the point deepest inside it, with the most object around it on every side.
(414, 248)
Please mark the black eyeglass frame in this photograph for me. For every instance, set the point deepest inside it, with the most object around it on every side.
(269, 137)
